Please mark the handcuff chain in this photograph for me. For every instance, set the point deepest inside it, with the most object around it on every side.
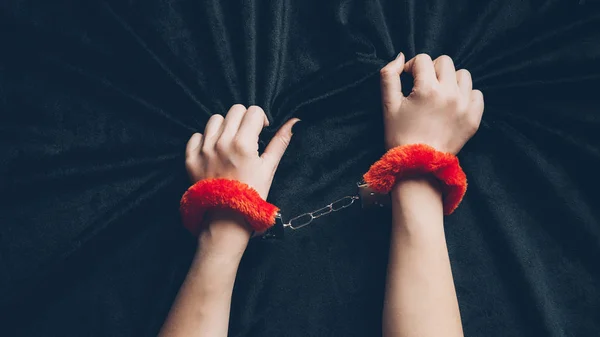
(306, 218)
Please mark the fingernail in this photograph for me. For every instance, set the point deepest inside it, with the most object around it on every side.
(399, 55)
(298, 126)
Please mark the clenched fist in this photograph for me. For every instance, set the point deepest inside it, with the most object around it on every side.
(442, 110)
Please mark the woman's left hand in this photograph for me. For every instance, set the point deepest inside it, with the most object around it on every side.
(229, 149)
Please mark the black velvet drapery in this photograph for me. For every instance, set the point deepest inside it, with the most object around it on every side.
(97, 100)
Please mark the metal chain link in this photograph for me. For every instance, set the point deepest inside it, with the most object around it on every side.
(306, 218)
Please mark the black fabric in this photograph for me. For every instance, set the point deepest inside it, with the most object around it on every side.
(99, 98)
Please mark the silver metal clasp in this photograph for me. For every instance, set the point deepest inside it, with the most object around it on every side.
(368, 197)
(371, 199)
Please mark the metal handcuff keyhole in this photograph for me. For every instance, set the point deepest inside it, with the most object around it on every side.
(368, 197)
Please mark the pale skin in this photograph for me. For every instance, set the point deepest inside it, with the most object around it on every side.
(228, 148)
(442, 111)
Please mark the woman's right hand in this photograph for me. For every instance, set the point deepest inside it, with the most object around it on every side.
(442, 111)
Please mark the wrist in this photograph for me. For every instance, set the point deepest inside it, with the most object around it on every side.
(225, 236)
(417, 207)
(424, 182)
(411, 194)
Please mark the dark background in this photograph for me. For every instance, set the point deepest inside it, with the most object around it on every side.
(97, 100)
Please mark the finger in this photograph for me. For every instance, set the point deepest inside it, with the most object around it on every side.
(192, 154)
(232, 122)
(391, 88)
(422, 70)
(254, 121)
(212, 132)
(193, 145)
(444, 70)
(278, 145)
(477, 107)
(465, 83)
(477, 98)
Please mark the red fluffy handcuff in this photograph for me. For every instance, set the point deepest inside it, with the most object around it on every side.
(398, 163)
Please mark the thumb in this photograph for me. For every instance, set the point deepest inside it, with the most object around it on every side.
(391, 88)
(277, 146)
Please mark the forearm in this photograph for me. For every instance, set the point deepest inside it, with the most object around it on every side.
(420, 298)
(203, 303)
(224, 151)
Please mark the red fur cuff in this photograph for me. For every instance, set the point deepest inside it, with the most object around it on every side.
(225, 194)
(418, 159)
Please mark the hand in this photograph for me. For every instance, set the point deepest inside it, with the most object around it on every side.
(229, 149)
(442, 111)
